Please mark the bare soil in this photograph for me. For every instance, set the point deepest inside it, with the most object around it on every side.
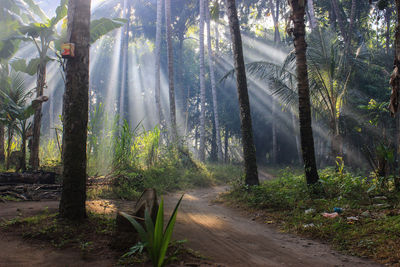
(224, 235)
(231, 238)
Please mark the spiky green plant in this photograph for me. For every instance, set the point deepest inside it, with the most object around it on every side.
(154, 238)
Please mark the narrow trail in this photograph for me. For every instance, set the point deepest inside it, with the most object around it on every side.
(229, 238)
(220, 233)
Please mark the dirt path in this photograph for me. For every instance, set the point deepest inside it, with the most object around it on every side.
(227, 237)
(218, 232)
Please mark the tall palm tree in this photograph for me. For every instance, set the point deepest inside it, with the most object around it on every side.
(157, 66)
(75, 113)
(213, 84)
(202, 152)
(170, 59)
(307, 140)
(249, 152)
(395, 77)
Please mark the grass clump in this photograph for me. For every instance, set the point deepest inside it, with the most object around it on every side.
(368, 226)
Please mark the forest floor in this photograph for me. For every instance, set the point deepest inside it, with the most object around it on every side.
(224, 235)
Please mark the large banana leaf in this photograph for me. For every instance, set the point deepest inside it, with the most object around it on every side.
(102, 26)
(30, 68)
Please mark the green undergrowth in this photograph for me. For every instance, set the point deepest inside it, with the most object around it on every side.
(130, 183)
(368, 226)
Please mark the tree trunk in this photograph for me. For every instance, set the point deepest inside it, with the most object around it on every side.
(226, 141)
(311, 12)
(332, 17)
(170, 60)
(275, 18)
(351, 23)
(339, 19)
(202, 152)
(395, 77)
(249, 151)
(75, 113)
(307, 140)
(213, 85)
(274, 137)
(297, 139)
(37, 118)
(157, 89)
(2, 156)
(9, 140)
(388, 14)
(123, 93)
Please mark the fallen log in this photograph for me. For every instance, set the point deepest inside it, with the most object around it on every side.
(39, 177)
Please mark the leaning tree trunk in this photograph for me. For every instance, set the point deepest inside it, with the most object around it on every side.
(75, 113)
(249, 151)
(37, 118)
(2, 156)
(170, 59)
(306, 134)
(157, 89)
(202, 152)
(213, 85)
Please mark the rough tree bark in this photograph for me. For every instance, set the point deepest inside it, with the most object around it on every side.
(249, 151)
(213, 84)
(170, 60)
(157, 89)
(75, 113)
(306, 134)
(202, 150)
(395, 77)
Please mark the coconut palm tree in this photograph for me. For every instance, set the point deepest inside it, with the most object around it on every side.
(213, 84)
(170, 59)
(329, 70)
(157, 53)
(306, 134)
(75, 113)
(249, 152)
(202, 155)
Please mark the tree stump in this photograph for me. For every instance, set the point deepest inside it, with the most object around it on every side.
(147, 201)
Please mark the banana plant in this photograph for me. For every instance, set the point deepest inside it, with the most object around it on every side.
(43, 34)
